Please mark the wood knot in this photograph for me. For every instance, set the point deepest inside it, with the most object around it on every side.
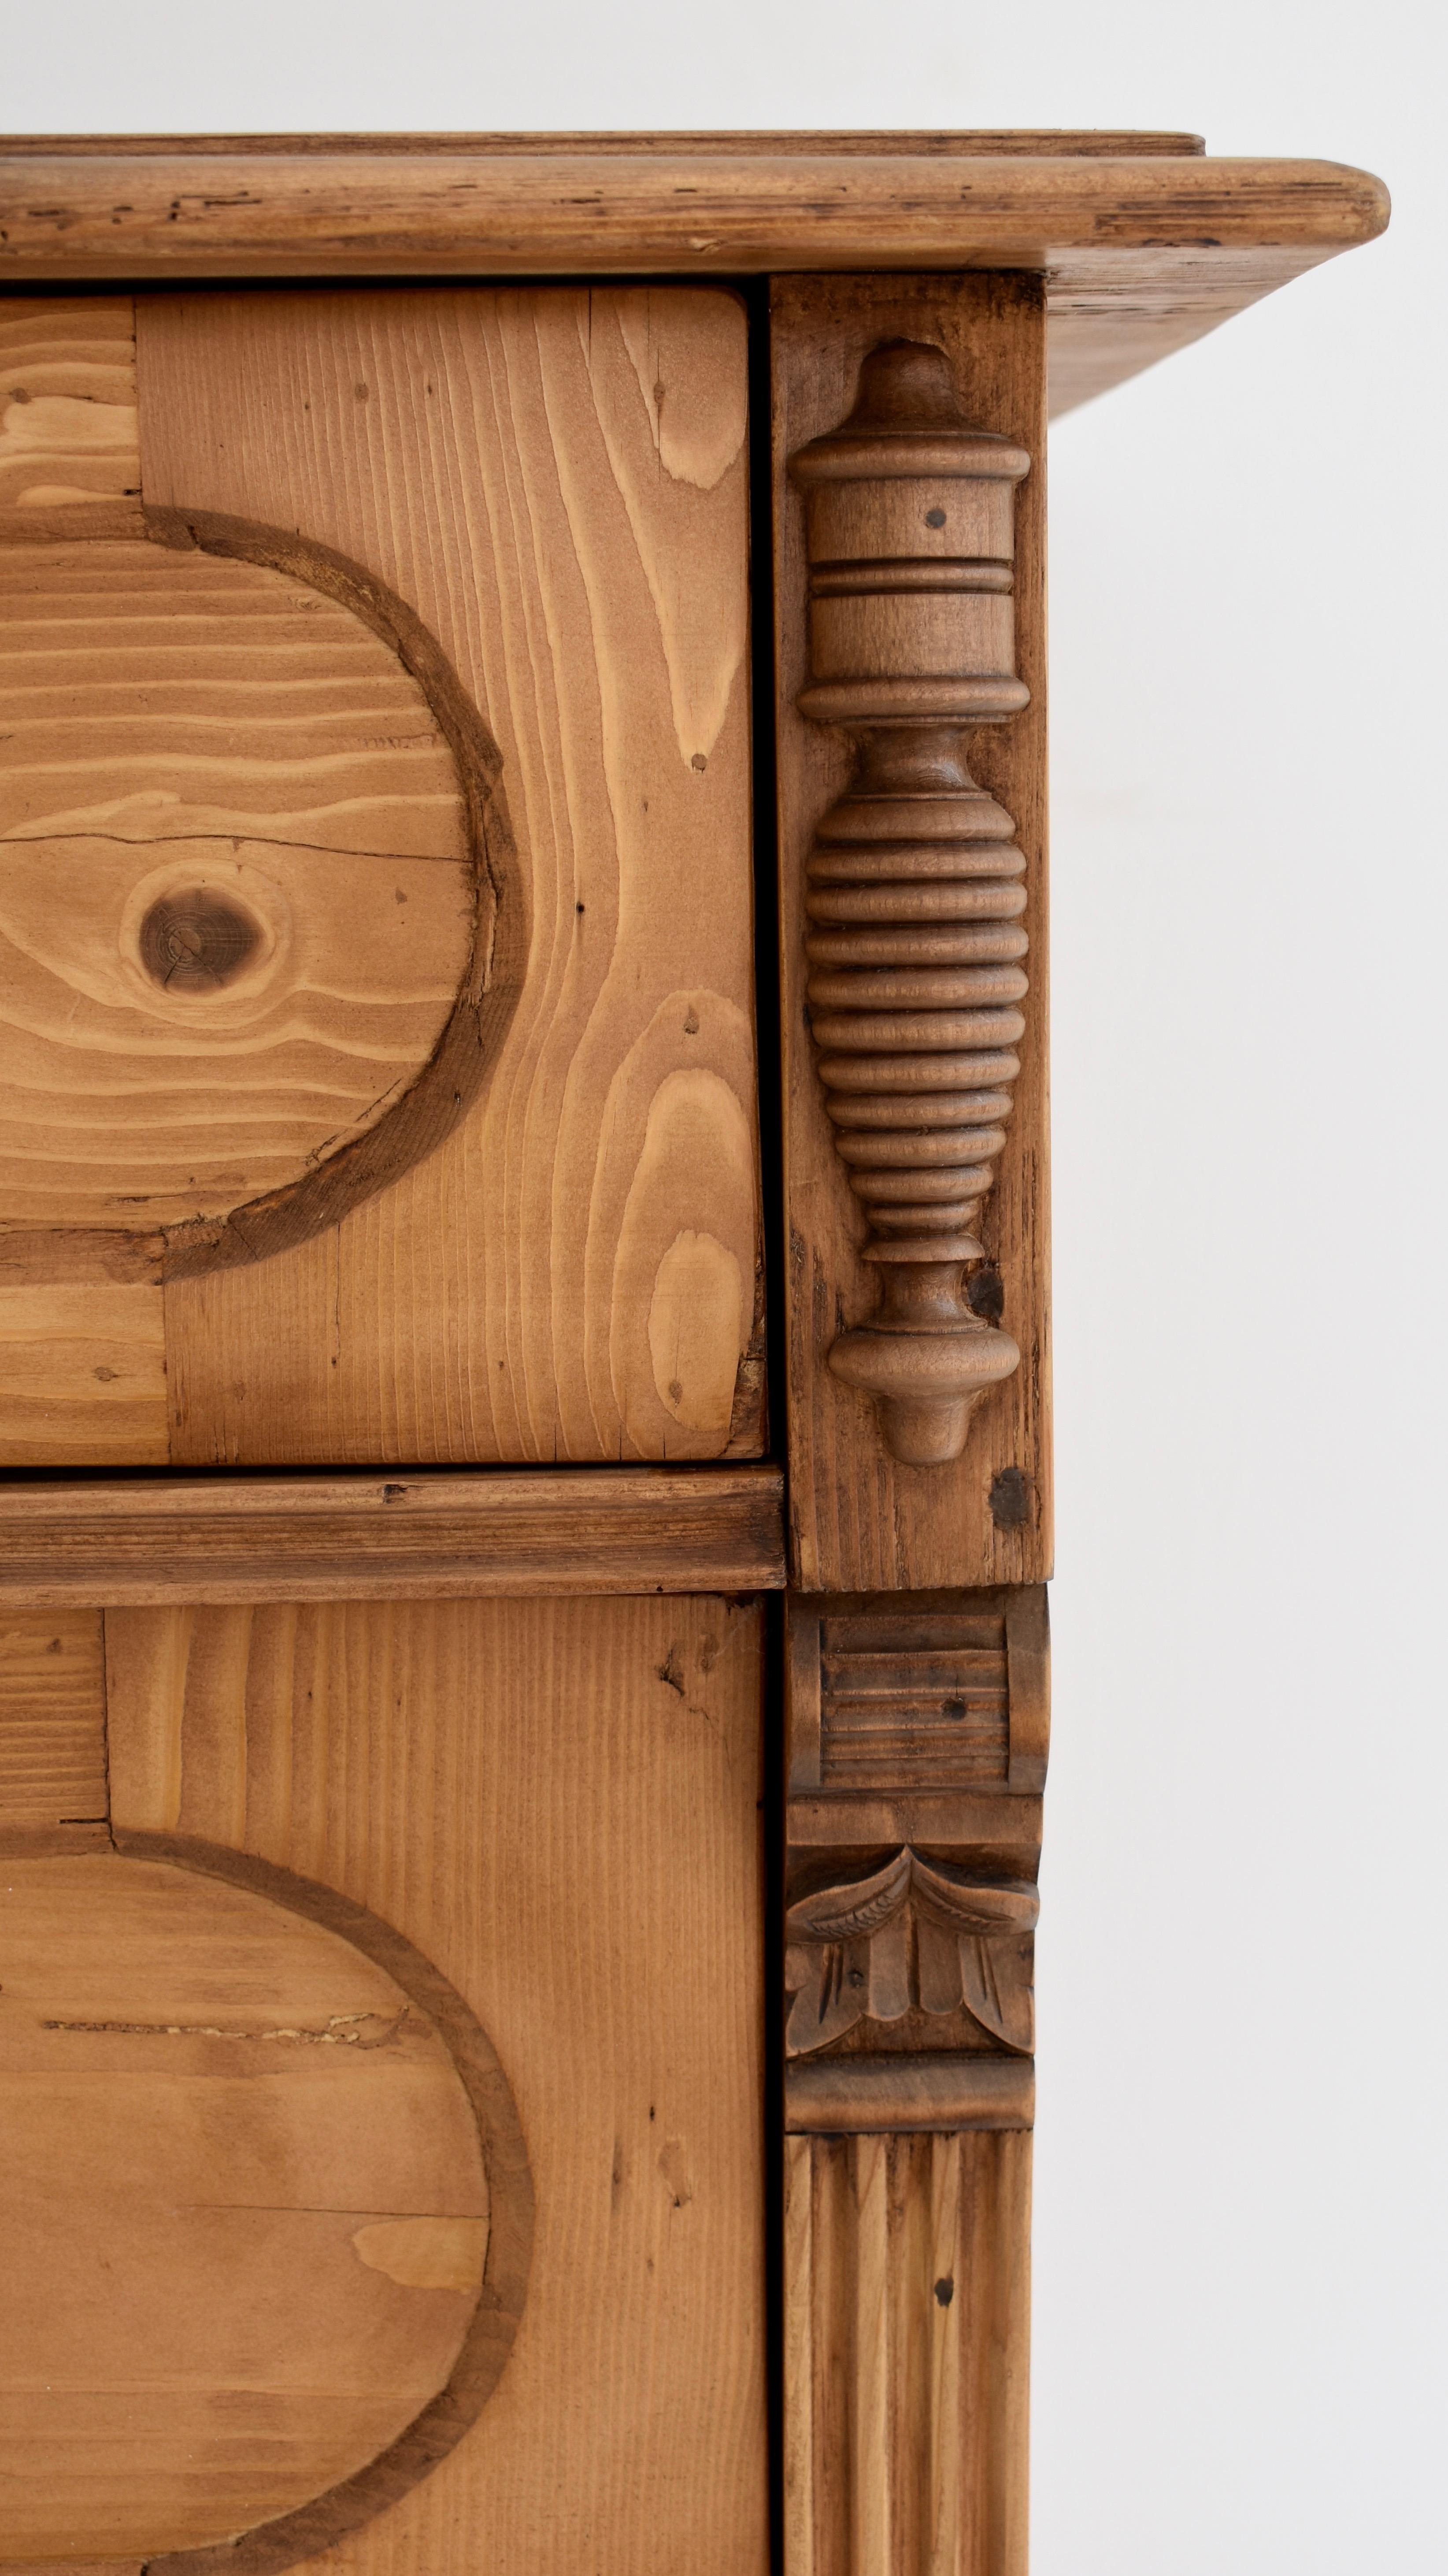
(195, 941)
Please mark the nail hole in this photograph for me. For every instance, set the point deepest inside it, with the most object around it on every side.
(1010, 1499)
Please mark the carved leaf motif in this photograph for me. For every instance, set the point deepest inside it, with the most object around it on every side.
(996, 1989)
(914, 1932)
(1008, 1905)
(858, 1908)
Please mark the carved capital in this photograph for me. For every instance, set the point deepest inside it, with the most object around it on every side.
(913, 1822)
(914, 1933)
(914, 934)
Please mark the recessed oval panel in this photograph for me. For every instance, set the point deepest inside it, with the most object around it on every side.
(239, 880)
(248, 2211)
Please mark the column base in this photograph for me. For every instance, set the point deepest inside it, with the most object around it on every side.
(926, 1383)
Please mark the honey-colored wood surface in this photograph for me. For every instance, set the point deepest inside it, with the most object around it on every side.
(431, 1537)
(52, 1720)
(907, 2317)
(1144, 249)
(859, 1518)
(557, 1802)
(536, 502)
(556, 484)
(202, 957)
(218, 1034)
(82, 1372)
(195, 747)
(245, 2217)
(1032, 141)
(69, 457)
(82, 1365)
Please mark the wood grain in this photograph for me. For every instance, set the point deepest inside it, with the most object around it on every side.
(1143, 251)
(917, 1736)
(1032, 141)
(907, 2311)
(216, 743)
(236, 899)
(249, 2213)
(860, 1518)
(917, 1733)
(912, 907)
(82, 1374)
(557, 1802)
(434, 1537)
(69, 453)
(555, 483)
(895, 2091)
(52, 1719)
(942, 1691)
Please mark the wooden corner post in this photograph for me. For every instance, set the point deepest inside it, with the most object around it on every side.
(917, 1751)
(909, 498)
(909, 495)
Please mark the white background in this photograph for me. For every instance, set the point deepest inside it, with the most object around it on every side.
(1241, 2171)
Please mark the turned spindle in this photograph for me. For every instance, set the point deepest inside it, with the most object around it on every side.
(915, 896)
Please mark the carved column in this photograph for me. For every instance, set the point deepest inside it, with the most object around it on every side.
(915, 939)
(917, 1754)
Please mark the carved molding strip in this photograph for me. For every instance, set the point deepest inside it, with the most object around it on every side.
(875, 2096)
(915, 937)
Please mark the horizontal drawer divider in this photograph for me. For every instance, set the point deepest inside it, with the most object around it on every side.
(440, 1534)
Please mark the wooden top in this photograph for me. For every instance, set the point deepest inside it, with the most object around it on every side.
(1033, 141)
(1143, 244)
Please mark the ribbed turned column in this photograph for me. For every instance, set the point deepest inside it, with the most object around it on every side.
(915, 896)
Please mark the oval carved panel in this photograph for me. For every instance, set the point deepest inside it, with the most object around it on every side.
(251, 853)
(266, 2220)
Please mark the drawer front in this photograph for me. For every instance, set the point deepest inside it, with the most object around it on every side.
(380, 2059)
(376, 949)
